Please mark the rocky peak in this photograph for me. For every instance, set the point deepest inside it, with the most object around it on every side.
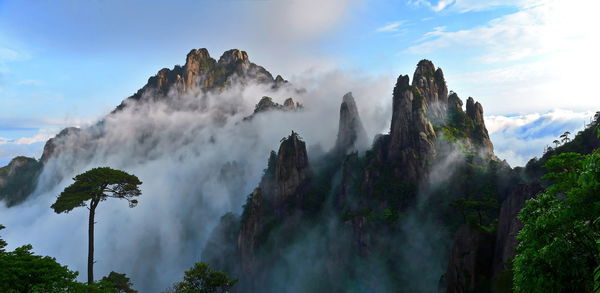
(411, 133)
(351, 133)
(292, 168)
(479, 134)
(52, 146)
(432, 85)
(202, 73)
(234, 56)
(266, 104)
(18, 179)
(454, 103)
(474, 111)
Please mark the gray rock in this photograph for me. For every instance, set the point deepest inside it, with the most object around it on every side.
(351, 133)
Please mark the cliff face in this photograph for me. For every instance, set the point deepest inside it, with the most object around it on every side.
(469, 263)
(278, 195)
(292, 168)
(423, 114)
(351, 133)
(18, 179)
(411, 135)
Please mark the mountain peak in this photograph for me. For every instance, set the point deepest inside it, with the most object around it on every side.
(234, 56)
(351, 133)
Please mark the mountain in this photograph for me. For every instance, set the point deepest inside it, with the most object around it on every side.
(425, 207)
(201, 75)
(349, 219)
(18, 179)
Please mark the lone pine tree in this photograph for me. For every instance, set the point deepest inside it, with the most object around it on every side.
(88, 190)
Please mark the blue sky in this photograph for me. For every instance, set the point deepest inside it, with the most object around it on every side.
(65, 63)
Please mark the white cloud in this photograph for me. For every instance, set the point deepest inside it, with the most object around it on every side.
(390, 27)
(29, 82)
(519, 138)
(463, 6)
(439, 6)
(538, 58)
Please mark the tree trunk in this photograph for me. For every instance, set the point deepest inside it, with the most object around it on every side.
(91, 243)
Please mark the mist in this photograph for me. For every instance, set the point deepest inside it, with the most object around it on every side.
(197, 160)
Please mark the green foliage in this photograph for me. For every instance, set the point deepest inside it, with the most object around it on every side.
(202, 279)
(98, 184)
(478, 212)
(23, 271)
(116, 283)
(558, 250)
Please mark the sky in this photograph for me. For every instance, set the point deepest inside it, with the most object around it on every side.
(532, 64)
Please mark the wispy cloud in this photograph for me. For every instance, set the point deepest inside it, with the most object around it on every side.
(30, 82)
(8, 55)
(390, 27)
(437, 7)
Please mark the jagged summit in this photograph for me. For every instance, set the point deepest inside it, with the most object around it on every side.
(234, 56)
(202, 73)
(351, 133)
(422, 112)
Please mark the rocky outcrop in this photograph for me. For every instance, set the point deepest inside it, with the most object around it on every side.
(18, 179)
(412, 136)
(202, 73)
(432, 86)
(53, 146)
(282, 186)
(509, 226)
(469, 263)
(351, 133)
(266, 104)
(479, 133)
(292, 170)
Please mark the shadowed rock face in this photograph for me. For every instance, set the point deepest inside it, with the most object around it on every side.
(292, 167)
(18, 179)
(469, 261)
(509, 226)
(252, 227)
(280, 188)
(351, 133)
(411, 134)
